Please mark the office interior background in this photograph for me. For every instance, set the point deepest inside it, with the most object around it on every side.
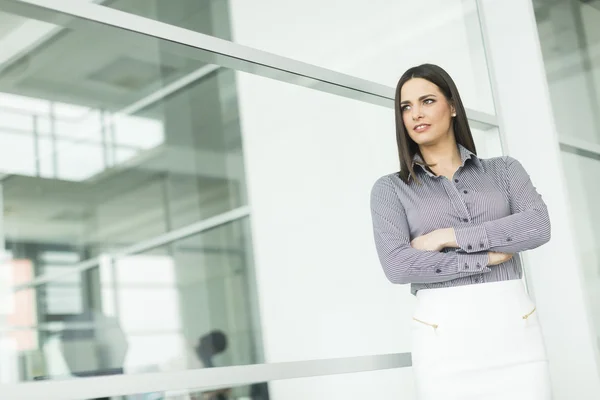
(175, 169)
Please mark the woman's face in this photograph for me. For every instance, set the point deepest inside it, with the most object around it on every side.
(426, 112)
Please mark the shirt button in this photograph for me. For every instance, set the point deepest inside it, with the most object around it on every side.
(481, 245)
(465, 220)
(466, 266)
(509, 239)
(469, 247)
(478, 266)
(437, 271)
(456, 180)
(465, 192)
(476, 280)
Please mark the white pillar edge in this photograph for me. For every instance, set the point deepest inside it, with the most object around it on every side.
(529, 134)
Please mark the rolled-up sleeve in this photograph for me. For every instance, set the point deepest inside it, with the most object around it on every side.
(400, 261)
(526, 228)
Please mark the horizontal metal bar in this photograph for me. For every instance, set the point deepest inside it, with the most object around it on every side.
(62, 326)
(186, 231)
(169, 89)
(143, 246)
(212, 50)
(46, 278)
(580, 147)
(201, 379)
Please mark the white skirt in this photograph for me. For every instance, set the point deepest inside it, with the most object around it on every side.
(479, 342)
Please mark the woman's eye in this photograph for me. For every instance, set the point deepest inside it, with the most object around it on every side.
(428, 101)
(405, 108)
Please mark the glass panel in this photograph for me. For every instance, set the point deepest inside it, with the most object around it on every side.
(570, 39)
(181, 306)
(205, 16)
(103, 152)
(584, 200)
(376, 40)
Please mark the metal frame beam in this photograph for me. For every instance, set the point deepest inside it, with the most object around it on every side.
(146, 245)
(212, 50)
(200, 379)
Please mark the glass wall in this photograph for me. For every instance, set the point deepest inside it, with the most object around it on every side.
(176, 307)
(105, 147)
(129, 233)
(570, 38)
(106, 154)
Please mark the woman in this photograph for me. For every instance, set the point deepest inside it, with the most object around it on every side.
(448, 223)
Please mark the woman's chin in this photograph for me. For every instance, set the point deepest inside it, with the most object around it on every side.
(427, 139)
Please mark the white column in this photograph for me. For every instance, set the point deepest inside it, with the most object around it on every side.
(529, 135)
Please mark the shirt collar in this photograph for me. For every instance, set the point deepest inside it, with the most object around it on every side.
(465, 155)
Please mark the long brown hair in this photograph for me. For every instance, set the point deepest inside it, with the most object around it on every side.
(407, 148)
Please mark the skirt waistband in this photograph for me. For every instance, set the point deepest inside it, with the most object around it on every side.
(488, 300)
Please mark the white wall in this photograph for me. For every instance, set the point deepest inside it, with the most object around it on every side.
(311, 159)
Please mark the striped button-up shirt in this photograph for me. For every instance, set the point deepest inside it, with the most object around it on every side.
(491, 204)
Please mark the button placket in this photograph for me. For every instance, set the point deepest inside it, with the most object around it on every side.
(454, 191)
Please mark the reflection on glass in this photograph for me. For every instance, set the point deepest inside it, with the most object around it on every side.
(570, 42)
(205, 16)
(102, 146)
(78, 142)
(19, 312)
(176, 307)
(63, 297)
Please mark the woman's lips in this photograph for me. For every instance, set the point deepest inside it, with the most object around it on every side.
(421, 128)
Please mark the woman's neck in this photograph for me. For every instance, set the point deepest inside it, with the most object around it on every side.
(444, 158)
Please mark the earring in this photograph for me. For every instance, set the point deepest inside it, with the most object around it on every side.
(454, 115)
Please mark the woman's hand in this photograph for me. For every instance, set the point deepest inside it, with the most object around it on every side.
(435, 241)
(442, 238)
(498, 258)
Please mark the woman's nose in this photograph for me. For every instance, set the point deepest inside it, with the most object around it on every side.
(416, 113)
